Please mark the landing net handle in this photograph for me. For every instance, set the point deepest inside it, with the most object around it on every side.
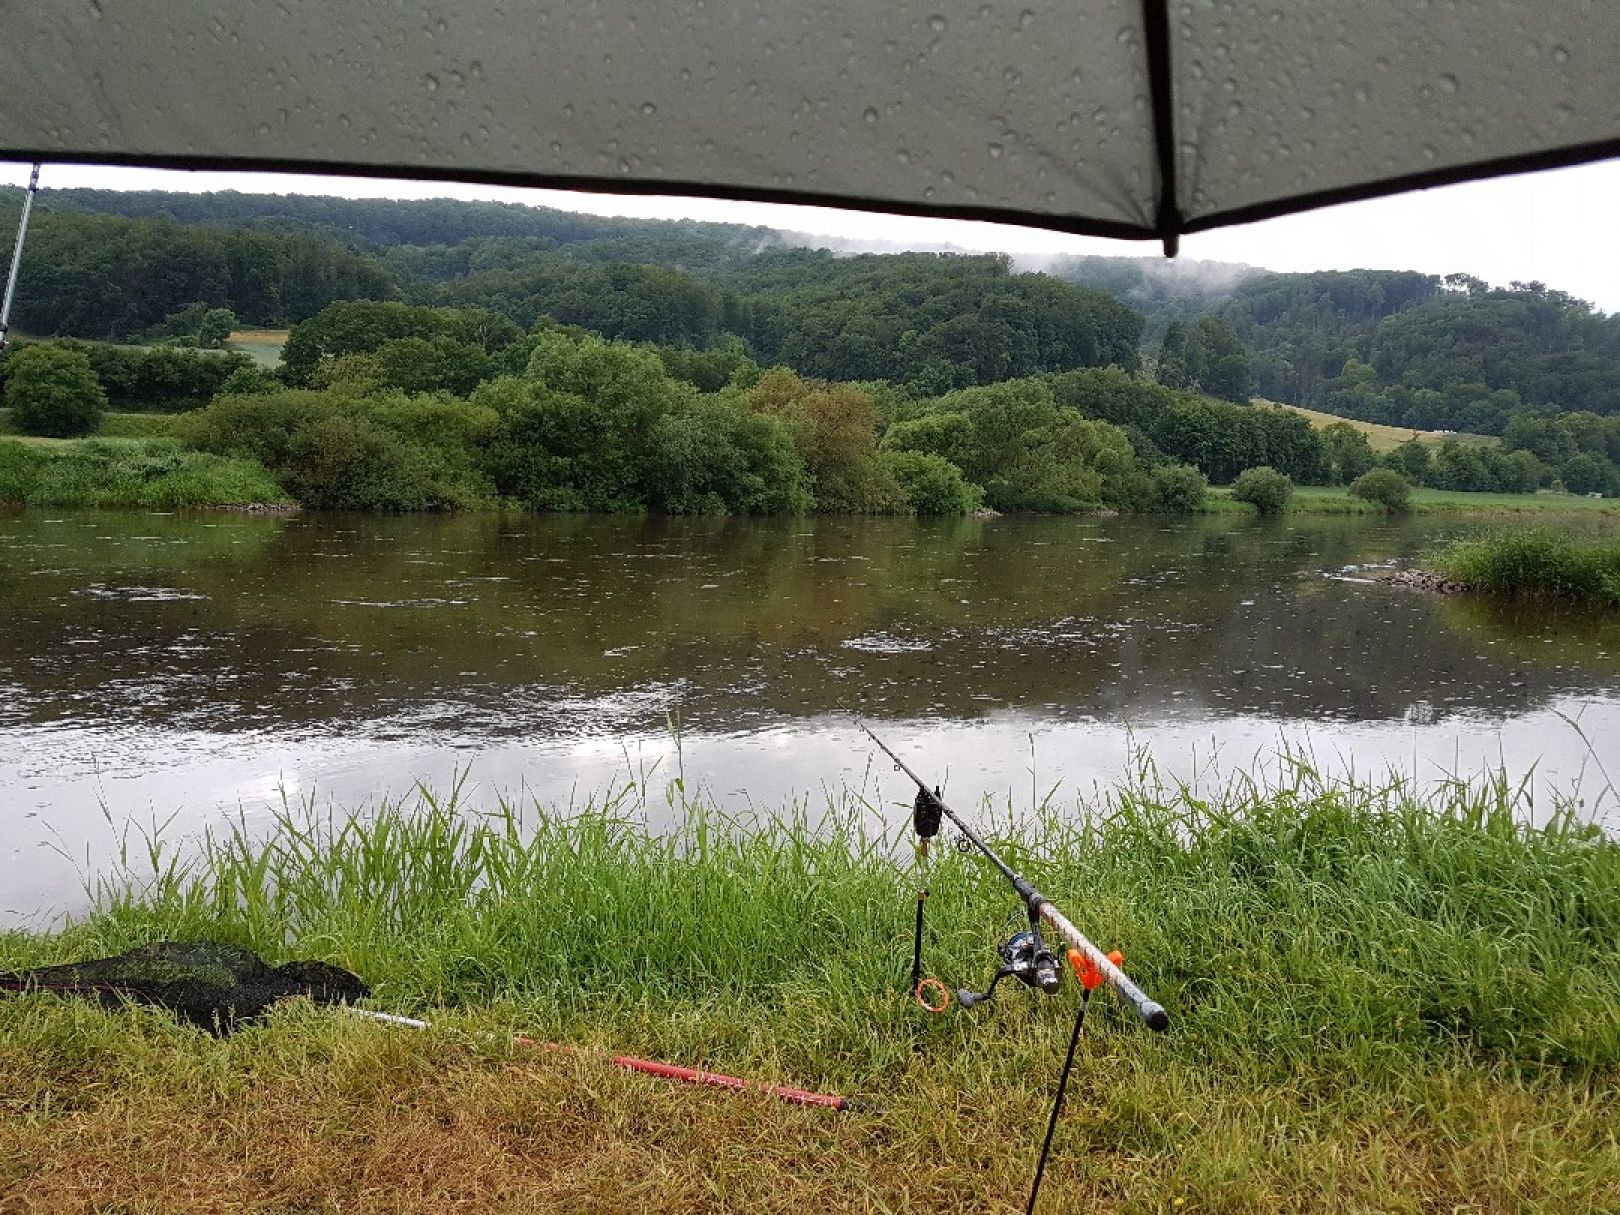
(1150, 1011)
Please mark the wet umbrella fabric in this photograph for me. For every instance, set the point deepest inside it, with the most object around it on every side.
(1109, 117)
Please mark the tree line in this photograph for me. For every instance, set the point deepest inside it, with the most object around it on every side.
(149, 379)
(570, 422)
(1402, 348)
(459, 289)
(390, 405)
(111, 278)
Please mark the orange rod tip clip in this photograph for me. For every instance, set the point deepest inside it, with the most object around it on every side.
(1090, 977)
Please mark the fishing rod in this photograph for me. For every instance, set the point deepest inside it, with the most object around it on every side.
(16, 256)
(1024, 956)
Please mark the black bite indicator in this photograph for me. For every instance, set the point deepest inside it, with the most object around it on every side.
(925, 813)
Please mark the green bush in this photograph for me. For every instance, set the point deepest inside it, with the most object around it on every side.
(946, 435)
(1536, 561)
(863, 486)
(215, 328)
(52, 391)
(1027, 452)
(715, 455)
(1383, 487)
(1263, 488)
(932, 484)
(393, 452)
(834, 428)
(345, 461)
(1178, 489)
(249, 380)
(601, 426)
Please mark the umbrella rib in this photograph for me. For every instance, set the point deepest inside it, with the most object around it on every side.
(1567, 156)
(1075, 225)
(1156, 34)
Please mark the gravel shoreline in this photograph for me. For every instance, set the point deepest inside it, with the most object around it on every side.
(1425, 580)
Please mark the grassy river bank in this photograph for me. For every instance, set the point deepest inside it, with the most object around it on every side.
(1384, 998)
(135, 461)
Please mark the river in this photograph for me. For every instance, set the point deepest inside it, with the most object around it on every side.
(177, 668)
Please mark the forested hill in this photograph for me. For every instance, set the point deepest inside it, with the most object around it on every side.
(1418, 350)
(377, 224)
(933, 321)
(1424, 351)
(1387, 346)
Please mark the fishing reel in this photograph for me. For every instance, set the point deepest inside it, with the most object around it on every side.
(1025, 957)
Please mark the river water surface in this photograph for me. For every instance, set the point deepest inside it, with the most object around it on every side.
(183, 667)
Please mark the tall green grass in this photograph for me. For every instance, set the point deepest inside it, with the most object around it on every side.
(139, 426)
(118, 425)
(1302, 930)
(1538, 561)
(129, 472)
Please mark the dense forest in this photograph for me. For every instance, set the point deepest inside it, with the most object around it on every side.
(940, 321)
(461, 293)
(112, 278)
(1396, 347)
(376, 224)
(1421, 351)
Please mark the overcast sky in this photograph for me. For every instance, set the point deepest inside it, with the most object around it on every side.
(1559, 226)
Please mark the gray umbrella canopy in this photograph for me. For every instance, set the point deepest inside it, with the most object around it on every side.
(1127, 118)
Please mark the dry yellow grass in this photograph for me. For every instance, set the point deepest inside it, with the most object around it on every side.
(317, 1112)
(262, 345)
(1382, 438)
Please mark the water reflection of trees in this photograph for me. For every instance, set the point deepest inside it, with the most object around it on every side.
(519, 623)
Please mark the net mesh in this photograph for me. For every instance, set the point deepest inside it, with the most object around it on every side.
(209, 985)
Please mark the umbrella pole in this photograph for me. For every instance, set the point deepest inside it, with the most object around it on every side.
(16, 254)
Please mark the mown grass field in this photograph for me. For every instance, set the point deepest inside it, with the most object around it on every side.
(1384, 438)
(262, 345)
(1334, 500)
(1383, 999)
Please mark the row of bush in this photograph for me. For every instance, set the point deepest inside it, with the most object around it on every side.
(589, 425)
(391, 406)
(91, 377)
(1269, 491)
(592, 425)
